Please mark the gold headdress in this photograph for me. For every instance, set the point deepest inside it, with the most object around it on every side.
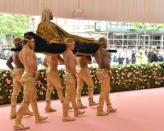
(46, 15)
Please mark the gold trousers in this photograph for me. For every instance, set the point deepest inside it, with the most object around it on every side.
(104, 79)
(53, 81)
(17, 74)
(30, 97)
(70, 94)
(84, 77)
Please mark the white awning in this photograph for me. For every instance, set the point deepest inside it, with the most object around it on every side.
(111, 10)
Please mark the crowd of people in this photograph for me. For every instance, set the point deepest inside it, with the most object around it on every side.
(5, 53)
(25, 72)
(137, 56)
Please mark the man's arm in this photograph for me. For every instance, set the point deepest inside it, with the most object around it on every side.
(72, 65)
(31, 61)
(45, 62)
(9, 63)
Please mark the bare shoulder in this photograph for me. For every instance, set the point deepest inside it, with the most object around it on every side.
(27, 52)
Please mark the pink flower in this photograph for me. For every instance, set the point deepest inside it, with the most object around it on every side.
(41, 93)
(39, 82)
(8, 82)
(4, 75)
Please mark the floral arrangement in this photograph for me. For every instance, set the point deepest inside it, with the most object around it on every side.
(125, 77)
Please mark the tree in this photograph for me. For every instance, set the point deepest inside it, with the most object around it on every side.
(14, 26)
(147, 26)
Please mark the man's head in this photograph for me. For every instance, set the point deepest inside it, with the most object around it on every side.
(70, 43)
(47, 15)
(103, 42)
(29, 41)
(17, 42)
(153, 48)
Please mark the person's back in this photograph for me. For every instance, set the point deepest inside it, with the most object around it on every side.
(16, 60)
(83, 61)
(104, 60)
(103, 74)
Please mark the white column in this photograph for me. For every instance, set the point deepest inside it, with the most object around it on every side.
(161, 42)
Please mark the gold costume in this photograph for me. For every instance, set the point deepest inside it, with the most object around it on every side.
(84, 77)
(103, 74)
(53, 80)
(48, 32)
(53, 33)
(70, 96)
(30, 97)
(104, 79)
(17, 84)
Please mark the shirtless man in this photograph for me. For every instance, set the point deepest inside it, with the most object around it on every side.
(29, 61)
(17, 72)
(84, 77)
(104, 74)
(70, 81)
(53, 79)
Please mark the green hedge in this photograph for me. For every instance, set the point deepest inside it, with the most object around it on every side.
(128, 77)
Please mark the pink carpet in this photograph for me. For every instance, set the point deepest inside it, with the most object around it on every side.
(141, 110)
